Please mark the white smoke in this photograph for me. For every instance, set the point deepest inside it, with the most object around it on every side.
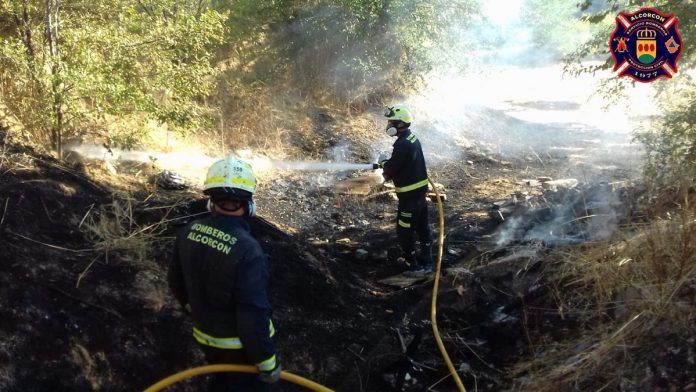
(515, 101)
(516, 112)
(566, 216)
(341, 152)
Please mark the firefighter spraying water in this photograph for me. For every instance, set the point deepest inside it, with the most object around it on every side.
(406, 168)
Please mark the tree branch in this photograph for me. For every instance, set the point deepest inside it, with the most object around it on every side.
(26, 30)
(147, 10)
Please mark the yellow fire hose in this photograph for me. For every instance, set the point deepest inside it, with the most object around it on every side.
(311, 385)
(293, 378)
(436, 285)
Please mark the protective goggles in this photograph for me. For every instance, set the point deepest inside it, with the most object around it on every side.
(389, 112)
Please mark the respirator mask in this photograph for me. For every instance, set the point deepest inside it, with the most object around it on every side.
(391, 129)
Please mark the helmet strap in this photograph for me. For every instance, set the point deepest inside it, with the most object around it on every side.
(250, 209)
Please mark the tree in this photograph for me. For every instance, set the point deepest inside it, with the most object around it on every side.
(348, 49)
(136, 60)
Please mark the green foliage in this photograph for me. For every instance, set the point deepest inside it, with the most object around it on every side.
(671, 140)
(120, 64)
(603, 13)
(350, 49)
(556, 28)
(146, 60)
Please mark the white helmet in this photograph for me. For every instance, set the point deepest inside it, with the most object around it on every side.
(230, 178)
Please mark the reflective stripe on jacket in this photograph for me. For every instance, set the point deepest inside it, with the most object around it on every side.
(406, 167)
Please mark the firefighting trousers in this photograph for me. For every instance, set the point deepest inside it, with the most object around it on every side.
(231, 381)
(412, 217)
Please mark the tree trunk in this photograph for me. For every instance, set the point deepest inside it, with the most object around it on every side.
(52, 38)
(25, 28)
(23, 22)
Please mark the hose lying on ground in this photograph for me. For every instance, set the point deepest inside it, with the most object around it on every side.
(436, 285)
(174, 378)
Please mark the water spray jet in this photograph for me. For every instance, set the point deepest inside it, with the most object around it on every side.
(320, 166)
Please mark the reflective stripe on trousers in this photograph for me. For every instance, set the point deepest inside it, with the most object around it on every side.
(267, 365)
(232, 343)
(412, 217)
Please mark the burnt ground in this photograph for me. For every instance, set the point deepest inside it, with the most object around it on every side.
(76, 317)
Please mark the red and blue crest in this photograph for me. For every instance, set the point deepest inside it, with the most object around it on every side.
(646, 45)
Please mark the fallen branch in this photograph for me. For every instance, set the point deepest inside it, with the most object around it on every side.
(85, 217)
(4, 212)
(475, 354)
(82, 179)
(469, 175)
(357, 355)
(76, 299)
(84, 272)
(525, 321)
(49, 245)
(537, 155)
(378, 194)
(22, 183)
(48, 214)
(448, 375)
(4, 154)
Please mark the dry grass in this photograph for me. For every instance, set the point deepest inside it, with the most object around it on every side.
(4, 160)
(633, 291)
(117, 235)
(250, 117)
(284, 121)
(90, 364)
(114, 229)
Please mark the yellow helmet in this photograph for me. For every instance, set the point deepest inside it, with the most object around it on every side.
(230, 178)
(398, 112)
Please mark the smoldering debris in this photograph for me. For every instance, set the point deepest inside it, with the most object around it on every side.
(560, 212)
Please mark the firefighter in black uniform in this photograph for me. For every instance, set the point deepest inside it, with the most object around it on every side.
(220, 273)
(406, 168)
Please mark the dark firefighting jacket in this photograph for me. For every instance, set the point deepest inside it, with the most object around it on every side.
(220, 272)
(406, 167)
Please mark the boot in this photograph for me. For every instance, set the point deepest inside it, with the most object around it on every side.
(426, 254)
(408, 260)
(421, 271)
(424, 262)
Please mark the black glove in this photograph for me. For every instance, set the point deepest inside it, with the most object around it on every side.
(379, 165)
(271, 376)
(383, 158)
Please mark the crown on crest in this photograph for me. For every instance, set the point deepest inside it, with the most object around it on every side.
(646, 33)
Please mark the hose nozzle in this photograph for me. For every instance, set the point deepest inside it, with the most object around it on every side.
(376, 166)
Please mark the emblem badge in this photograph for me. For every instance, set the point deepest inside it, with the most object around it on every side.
(646, 45)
